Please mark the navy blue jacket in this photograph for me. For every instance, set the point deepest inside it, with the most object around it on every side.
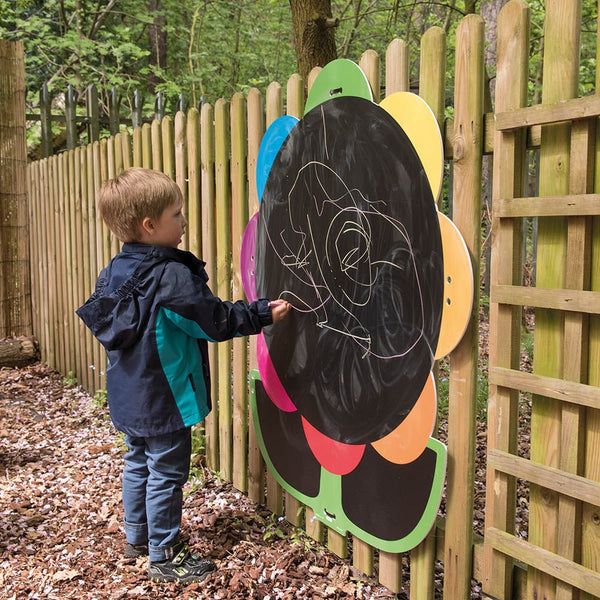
(154, 313)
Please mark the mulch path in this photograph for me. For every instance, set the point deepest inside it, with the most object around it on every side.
(60, 514)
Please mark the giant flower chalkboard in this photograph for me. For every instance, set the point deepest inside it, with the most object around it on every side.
(349, 233)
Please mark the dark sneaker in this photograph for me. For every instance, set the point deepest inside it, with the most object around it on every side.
(184, 567)
(136, 550)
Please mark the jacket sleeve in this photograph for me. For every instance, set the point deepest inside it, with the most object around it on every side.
(189, 303)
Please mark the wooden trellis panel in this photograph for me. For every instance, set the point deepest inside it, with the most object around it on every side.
(563, 301)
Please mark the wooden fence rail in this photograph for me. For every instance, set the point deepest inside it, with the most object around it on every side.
(211, 153)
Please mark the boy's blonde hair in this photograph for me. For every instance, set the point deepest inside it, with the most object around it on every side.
(133, 195)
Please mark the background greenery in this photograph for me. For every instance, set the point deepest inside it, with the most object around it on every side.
(216, 47)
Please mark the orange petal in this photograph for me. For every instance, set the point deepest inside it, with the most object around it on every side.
(407, 442)
(458, 287)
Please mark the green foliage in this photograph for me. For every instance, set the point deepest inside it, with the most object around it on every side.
(100, 398)
(527, 346)
(214, 48)
(120, 442)
(273, 529)
(70, 380)
(443, 389)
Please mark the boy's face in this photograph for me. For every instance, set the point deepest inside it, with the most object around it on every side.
(169, 228)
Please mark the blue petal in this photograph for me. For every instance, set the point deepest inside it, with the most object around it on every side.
(272, 141)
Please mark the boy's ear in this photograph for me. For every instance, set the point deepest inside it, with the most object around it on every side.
(148, 225)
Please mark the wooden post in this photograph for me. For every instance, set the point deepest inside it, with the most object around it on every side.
(70, 118)
(369, 63)
(92, 248)
(295, 96)
(507, 236)
(159, 106)
(46, 121)
(294, 509)
(256, 128)
(209, 251)
(15, 289)
(561, 71)
(223, 259)
(168, 146)
(194, 228)
(239, 220)
(397, 67)
(136, 111)
(147, 146)
(181, 167)
(432, 74)
(34, 171)
(156, 146)
(58, 239)
(590, 546)
(274, 110)
(93, 113)
(113, 112)
(468, 152)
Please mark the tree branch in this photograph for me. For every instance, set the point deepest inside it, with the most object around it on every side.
(99, 18)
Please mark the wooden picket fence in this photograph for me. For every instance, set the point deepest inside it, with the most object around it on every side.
(211, 153)
(88, 118)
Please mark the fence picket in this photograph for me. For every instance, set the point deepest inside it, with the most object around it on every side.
(57, 199)
(468, 153)
(209, 251)
(274, 110)
(181, 167)
(167, 147)
(370, 64)
(432, 77)
(561, 66)
(256, 128)
(194, 198)
(397, 70)
(590, 544)
(239, 219)
(504, 341)
(223, 289)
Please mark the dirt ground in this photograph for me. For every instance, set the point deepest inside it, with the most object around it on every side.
(60, 514)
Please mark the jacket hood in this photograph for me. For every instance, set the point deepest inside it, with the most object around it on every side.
(119, 310)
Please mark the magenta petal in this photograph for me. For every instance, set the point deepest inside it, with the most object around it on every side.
(270, 379)
(247, 261)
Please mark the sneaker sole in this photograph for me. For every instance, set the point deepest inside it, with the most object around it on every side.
(183, 580)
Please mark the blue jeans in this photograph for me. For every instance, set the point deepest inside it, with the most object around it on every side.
(156, 468)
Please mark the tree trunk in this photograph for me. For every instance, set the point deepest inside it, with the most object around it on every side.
(314, 34)
(17, 352)
(158, 42)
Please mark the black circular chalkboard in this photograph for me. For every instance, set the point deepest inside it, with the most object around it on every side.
(348, 233)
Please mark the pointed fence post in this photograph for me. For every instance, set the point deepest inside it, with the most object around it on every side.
(136, 113)
(93, 114)
(70, 118)
(113, 112)
(159, 106)
(507, 238)
(468, 153)
(561, 77)
(46, 121)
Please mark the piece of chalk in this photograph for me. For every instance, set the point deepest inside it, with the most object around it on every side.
(275, 303)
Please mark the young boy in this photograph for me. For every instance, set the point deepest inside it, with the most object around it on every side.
(154, 314)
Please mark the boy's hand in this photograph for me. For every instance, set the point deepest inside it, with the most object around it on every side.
(279, 308)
